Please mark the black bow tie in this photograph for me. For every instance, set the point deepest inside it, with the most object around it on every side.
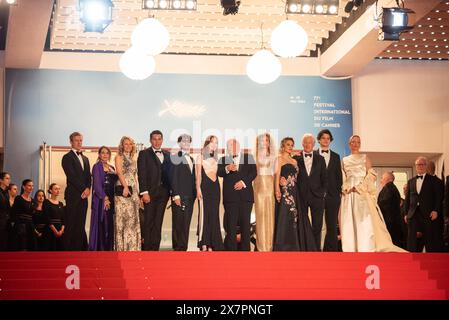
(79, 153)
(235, 156)
(324, 151)
(158, 151)
(307, 154)
(419, 177)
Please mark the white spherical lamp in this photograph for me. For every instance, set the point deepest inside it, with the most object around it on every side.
(150, 36)
(263, 67)
(289, 39)
(137, 65)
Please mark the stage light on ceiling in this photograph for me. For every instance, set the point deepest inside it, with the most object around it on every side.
(349, 6)
(289, 39)
(394, 22)
(323, 7)
(12, 2)
(230, 6)
(169, 4)
(96, 15)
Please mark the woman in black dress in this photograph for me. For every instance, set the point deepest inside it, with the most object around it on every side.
(40, 222)
(12, 193)
(293, 231)
(22, 215)
(208, 193)
(5, 179)
(54, 210)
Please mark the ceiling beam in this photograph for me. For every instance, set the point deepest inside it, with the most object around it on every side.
(358, 45)
(27, 31)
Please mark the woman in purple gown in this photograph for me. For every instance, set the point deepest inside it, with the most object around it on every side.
(101, 236)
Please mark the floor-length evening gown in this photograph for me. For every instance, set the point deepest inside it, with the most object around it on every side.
(126, 223)
(209, 230)
(101, 235)
(264, 204)
(293, 231)
(362, 225)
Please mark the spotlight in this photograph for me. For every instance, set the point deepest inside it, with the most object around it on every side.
(96, 15)
(349, 6)
(358, 3)
(169, 4)
(11, 2)
(163, 4)
(230, 6)
(394, 22)
(322, 7)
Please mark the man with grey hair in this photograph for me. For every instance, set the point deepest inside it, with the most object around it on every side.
(422, 203)
(389, 201)
(238, 170)
(312, 185)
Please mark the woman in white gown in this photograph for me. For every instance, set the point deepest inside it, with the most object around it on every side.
(362, 226)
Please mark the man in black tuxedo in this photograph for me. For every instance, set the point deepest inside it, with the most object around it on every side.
(5, 179)
(312, 184)
(238, 170)
(77, 170)
(389, 201)
(183, 193)
(153, 168)
(422, 202)
(332, 199)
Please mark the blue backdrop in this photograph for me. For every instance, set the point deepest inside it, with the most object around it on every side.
(47, 105)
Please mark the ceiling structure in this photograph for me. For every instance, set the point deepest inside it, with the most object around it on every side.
(48, 34)
(204, 31)
(428, 40)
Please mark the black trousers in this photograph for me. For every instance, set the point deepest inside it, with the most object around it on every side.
(75, 237)
(153, 216)
(331, 208)
(237, 214)
(316, 206)
(432, 232)
(181, 218)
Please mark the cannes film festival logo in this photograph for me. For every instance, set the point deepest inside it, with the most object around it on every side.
(372, 282)
(72, 282)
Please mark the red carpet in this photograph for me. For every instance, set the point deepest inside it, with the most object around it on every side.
(223, 275)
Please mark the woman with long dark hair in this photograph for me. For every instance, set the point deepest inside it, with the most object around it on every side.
(54, 210)
(208, 194)
(22, 216)
(101, 235)
(40, 221)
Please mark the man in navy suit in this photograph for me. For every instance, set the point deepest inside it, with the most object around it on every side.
(153, 167)
(312, 184)
(422, 205)
(77, 170)
(332, 199)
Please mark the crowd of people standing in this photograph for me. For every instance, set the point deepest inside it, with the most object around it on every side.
(292, 193)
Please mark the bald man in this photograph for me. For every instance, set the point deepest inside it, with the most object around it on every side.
(422, 203)
(389, 201)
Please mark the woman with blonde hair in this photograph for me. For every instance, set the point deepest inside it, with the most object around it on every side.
(362, 225)
(264, 192)
(126, 225)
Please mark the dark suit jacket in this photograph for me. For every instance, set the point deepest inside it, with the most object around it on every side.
(183, 180)
(78, 179)
(152, 174)
(446, 198)
(314, 185)
(334, 176)
(389, 201)
(4, 205)
(247, 173)
(429, 199)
